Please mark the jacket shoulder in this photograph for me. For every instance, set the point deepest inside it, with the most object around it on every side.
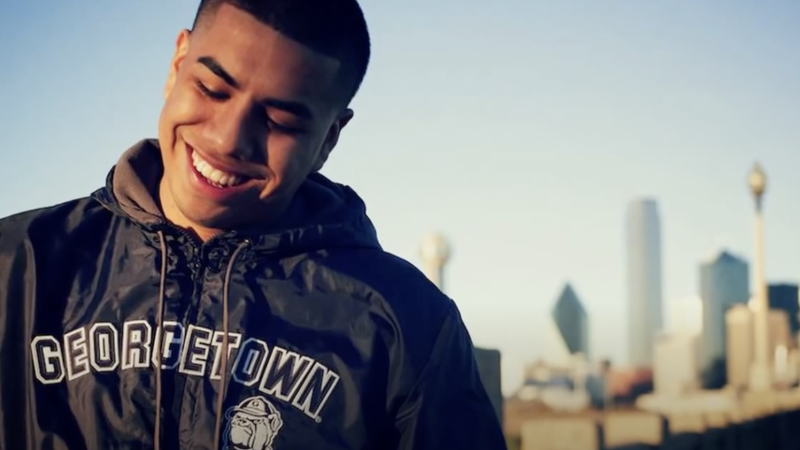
(396, 281)
(409, 303)
(52, 222)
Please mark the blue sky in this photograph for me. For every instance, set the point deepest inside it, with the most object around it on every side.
(519, 128)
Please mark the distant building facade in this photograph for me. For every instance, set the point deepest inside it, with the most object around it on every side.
(572, 321)
(784, 297)
(489, 367)
(724, 283)
(741, 345)
(780, 332)
(644, 280)
(675, 364)
(684, 316)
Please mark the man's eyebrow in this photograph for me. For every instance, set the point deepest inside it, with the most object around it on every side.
(217, 69)
(298, 109)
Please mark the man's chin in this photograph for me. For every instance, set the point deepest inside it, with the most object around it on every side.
(216, 219)
(212, 220)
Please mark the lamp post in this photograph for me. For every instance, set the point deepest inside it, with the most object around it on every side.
(760, 373)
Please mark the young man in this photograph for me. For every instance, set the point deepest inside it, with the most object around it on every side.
(218, 292)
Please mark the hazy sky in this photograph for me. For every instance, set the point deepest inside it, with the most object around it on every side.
(519, 129)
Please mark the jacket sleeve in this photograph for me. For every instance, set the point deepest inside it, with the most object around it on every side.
(449, 406)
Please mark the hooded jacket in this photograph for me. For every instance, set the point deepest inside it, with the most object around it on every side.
(119, 330)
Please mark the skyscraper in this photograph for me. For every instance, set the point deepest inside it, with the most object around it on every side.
(724, 282)
(572, 321)
(739, 339)
(785, 297)
(675, 369)
(740, 351)
(643, 230)
(684, 316)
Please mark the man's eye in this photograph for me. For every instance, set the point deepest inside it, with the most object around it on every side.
(282, 128)
(209, 93)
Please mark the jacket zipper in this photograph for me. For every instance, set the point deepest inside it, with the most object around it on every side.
(197, 267)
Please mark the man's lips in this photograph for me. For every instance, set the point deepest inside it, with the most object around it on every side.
(214, 164)
(212, 183)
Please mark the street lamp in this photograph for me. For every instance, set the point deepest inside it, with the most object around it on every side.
(760, 373)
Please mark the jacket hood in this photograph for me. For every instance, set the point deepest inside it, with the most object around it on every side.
(323, 214)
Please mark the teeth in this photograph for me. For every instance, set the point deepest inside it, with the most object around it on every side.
(214, 176)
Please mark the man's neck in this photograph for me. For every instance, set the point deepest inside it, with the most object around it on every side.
(286, 213)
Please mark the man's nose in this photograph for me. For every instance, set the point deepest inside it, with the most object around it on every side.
(232, 132)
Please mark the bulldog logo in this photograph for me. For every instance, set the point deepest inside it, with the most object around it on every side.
(252, 425)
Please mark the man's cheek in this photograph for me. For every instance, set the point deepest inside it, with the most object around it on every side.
(183, 104)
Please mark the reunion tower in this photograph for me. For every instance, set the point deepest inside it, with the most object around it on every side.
(435, 253)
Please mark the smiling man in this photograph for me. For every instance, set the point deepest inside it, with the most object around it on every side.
(218, 292)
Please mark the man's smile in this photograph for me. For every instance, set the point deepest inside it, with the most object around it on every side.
(215, 176)
(214, 181)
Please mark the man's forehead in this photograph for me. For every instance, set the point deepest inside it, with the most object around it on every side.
(259, 58)
(268, 62)
(237, 26)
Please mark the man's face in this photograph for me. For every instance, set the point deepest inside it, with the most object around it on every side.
(249, 113)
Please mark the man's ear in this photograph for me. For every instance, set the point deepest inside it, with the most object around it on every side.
(181, 48)
(332, 138)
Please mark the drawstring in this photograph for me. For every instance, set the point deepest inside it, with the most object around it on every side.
(224, 359)
(224, 363)
(159, 320)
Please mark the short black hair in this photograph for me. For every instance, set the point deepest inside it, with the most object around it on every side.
(336, 28)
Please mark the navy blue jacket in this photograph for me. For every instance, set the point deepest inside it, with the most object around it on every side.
(113, 326)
